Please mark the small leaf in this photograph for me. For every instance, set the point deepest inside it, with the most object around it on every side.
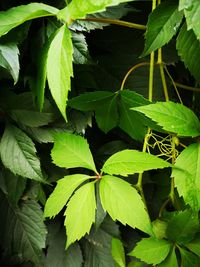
(170, 261)
(186, 175)
(192, 14)
(123, 203)
(9, 59)
(17, 15)
(188, 259)
(72, 151)
(62, 192)
(151, 250)
(59, 67)
(80, 213)
(194, 245)
(18, 154)
(118, 252)
(173, 117)
(132, 161)
(162, 25)
(81, 53)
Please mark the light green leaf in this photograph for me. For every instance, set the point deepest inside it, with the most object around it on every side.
(123, 203)
(118, 252)
(170, 261)
(22, 230)
(132, 161)
(188, 259)
(183, 4)
(72, 151)
(78, 9)
(17, 15)
(189, 51)
(194, 245)
(80, 213)
(173, 117)
(59, 67)
(186, 175)
(162, 25)
(62, 192)
(81, 53)
(151, 250)
(9, 59)
(18, 154)
(192, 14)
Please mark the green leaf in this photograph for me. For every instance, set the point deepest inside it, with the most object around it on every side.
(189, 259)
(194, 245)
(132, 161)
(9, 59)
(81, 53)
(18, 154)
(173, 117)
(62, 192)
(80, 213)
(183, 226)
(162, 25)
(183, 4)
(170, 261)
(78, 9)
(22, 230)
(118, 252)
(151, 250)
(123, 203)
(186, 175)
(72, 151)
(17, 15)
(192, 14)
(189, 51)
(59, 67)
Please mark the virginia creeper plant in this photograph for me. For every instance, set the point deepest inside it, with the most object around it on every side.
(100, 130)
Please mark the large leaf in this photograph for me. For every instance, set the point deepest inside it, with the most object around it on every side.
(18, 154)
(9, 59)
(132, 161)
(186, 175)
(59, 67)
(71, 151)
(151, 250)
(118, 252)
(123, 203)
(61, 194)
(173, 117)
(192, 14)
(189, 50)
(22, 230)
(162, 25)
(17, 15)
(80, 213)
(170, 261)
(78, 9)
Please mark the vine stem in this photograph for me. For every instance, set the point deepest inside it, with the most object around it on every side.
(186, 87)
(162, 74)
(117, 22)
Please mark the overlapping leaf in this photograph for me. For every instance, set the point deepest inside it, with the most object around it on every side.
(171, 260)
(192, 14)
(194, 245)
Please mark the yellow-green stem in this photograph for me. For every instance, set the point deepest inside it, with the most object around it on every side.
(162, 74)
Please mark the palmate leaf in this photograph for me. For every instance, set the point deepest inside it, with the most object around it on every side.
(80, 213)
(72, 151)
(192, 14)
(186, 175)
(132, 161)
(118, 253)
(123, 203)
(173, 117)
(22, 230)
(62, 192)
(59, 67)
(17, 15)
(189, 50)
(18, 154)
(162, 25)
(151, 250)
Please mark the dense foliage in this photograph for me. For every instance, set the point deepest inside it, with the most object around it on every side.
(100, 152)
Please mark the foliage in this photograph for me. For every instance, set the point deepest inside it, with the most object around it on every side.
(99, 113)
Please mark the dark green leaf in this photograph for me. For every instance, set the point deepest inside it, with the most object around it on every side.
(81, 53)
(189, 259)
(194, 245)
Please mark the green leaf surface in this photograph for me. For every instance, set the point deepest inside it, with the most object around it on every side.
(62, 192)
(18, 154)
(186, 175)
(72, 151)
(22, 229)
(189, 51)
(192, 14)
(189, 259)
(80, 213)
(173, 117)
(151, 250)
(118, 252)
(9, 59)
(194, 245)
(132, 161)
(183, 4)
(183, 226)
(162, 25)
(123, 203)
(59, 67)
(170, 261)
(17, 15)
(81, 53)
